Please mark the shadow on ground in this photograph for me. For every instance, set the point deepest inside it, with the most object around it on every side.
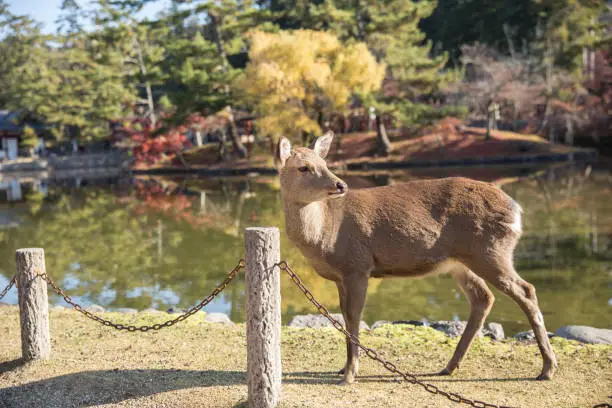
(92, 388)
(329, 377)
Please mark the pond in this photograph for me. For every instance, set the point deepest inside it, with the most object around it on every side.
(162, 242)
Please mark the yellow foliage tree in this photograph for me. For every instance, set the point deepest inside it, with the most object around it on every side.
(294, 79)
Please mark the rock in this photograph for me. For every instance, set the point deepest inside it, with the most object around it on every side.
(125, 310)
(494, 331)
(456, 328)
(585, 334)
(60, 308)
(95, 309)
(174, 309)
(379, 323)
(218, 318)
(317, 321)
(412, 322)
(528, 335)
(450, 328)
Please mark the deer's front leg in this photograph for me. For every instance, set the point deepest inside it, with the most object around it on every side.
(342, 303)
(355, 288)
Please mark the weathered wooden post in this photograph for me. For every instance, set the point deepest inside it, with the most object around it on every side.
(33, 304)
(263, 316)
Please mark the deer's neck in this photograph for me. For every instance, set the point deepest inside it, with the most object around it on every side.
(313, 225)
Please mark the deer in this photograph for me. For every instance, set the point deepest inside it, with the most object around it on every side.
(460, 226)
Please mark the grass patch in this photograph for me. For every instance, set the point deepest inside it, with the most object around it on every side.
(199, 364)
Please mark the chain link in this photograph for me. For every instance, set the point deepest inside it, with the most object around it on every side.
(157, 326)
(411, 378)
(8, 287)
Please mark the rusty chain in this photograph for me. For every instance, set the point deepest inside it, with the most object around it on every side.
(411, 378)
(8, 287)
(158, 326)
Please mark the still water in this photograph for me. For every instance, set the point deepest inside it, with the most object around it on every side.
(161, 242)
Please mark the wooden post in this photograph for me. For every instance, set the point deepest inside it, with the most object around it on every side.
(33, 304)
(263, 316)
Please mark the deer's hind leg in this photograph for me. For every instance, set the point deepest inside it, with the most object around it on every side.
(507, 280)
(481, 300)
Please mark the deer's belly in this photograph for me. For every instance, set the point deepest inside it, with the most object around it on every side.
(416, 270)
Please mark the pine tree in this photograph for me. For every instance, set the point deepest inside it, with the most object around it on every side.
(392, 32)
(140, 44)
(507, 26)
(567, 27)
(71, 18)
(204, 73)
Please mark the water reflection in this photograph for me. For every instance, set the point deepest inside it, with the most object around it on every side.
(152, 242)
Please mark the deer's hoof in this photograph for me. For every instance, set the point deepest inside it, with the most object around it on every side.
(544, 377)
(446, 371)
(345, 382)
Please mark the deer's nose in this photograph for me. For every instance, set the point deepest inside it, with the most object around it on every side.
(341, 186)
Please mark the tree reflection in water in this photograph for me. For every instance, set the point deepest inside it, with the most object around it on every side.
(160, 242)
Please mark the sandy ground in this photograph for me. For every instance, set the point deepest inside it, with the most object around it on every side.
(198, 364)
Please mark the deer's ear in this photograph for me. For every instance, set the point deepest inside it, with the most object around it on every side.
(323, 143)
(283, 150)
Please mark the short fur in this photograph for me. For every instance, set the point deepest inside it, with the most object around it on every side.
(466, 227)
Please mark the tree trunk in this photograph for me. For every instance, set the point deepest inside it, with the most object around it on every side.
(321, 120)
(234, 136)
(232, 128)
(147, 84)
(569, 130)
(198, 138)
(549, 73)
(384, 145)
(359, 21)
(222, 150)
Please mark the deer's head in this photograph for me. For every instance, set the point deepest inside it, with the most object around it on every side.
(304, 176)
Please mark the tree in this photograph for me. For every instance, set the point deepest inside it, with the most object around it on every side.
(295, 78)
(568, 28)
(29, 139)
(141, 47)
(20, 36)
(227, 21)
(62, 79)
(390, 30)
(505, 26)
(70, 19)
(72, 87)
(194, 79)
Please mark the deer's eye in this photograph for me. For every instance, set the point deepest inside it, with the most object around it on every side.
(303, 169)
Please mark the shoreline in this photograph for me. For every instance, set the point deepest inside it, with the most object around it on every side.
(451, 328)
(42, 167)
(578, 155)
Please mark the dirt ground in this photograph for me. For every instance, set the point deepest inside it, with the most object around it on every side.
(198, 364)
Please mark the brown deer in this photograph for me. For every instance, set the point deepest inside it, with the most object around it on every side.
(464, 227)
